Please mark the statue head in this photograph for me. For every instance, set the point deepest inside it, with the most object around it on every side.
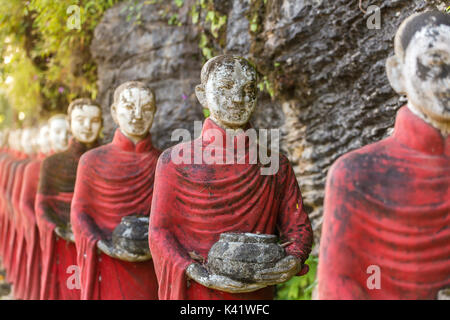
(133, 109)
(421, 65)
(228, 89)
(26, 141)
(85, 120)
(43, 139)
(58, 132)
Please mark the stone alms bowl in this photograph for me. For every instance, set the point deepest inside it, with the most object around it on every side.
(240, 255)
(131, 235)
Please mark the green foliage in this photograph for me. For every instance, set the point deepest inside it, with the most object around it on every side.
(203, 45)
(179, 3)
(173, 20)
(48, 62)
(300, 288)
(448, 9)
(212, 25)
(254, 23)
(265, 84)
(216, 21)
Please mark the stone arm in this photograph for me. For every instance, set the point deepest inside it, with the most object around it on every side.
(293, 221)
(294, 229)
(335, 274)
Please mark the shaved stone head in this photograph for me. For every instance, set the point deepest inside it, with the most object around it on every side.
(414, 24)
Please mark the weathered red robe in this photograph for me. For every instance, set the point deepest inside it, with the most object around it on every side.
(194, 203)
(7, 182)
(12, 239)
(31, 232)
(52, 205)
(113, 181)
(5, 166)
(19, 262)
(388, 205)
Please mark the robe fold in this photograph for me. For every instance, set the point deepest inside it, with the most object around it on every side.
(9, 227)
(194, 203)
(19, 262)
(31, 232)
(387, 217)
(113, 181)
(5, 166)
(52, 209)
(13, 239)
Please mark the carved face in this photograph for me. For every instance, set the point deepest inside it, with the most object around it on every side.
(85, 123)
(427, 72)
(58, 133)
(230, 94)
(134, 112)
(27, 141)
(44, 139)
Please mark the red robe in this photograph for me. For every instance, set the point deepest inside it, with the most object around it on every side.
(33, 249)
(194, 203)
(19, 262)
(5, 164)
(10, 167)
(388, 205)
(113, 181)
(12, 239)
(52, 208)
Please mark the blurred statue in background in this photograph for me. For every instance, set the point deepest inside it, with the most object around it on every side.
(41, 146)
(14, 256)
(55, 191)
(112, 200)
(386, 214)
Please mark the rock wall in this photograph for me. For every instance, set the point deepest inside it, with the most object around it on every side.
(323, 63)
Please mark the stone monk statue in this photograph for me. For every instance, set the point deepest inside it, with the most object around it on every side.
(17, 266)
(115, 181)
(195, 201)
(54, 196)
(27, 204)
(386, 215)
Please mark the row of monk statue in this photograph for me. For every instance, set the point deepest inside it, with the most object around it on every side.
(123, 220)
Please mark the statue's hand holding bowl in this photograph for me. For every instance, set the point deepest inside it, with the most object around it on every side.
(283, 270)
(108, 248)
(201, 275)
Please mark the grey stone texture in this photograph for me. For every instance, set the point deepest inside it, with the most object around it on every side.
(241, 255)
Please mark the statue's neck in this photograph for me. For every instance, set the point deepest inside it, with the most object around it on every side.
(443, 127)
(224, 126)
(134, 139)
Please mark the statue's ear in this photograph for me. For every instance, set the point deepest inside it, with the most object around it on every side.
(201, 96)
(394, 70)
(114, 114)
